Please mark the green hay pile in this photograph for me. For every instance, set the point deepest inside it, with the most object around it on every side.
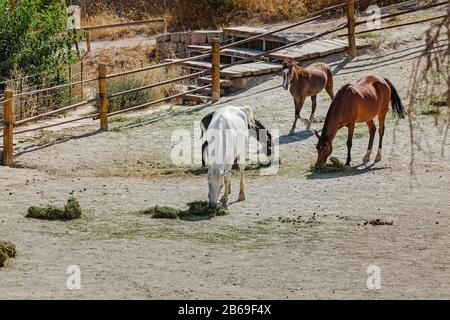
(163, 212)
(7, 250)
(196, 208)
(71, 210)
(335, 166)
(201, 208)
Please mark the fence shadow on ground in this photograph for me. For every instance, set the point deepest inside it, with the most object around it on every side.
(41, 146)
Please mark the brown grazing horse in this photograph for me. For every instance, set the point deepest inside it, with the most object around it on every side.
(306, 82)
(354, 104)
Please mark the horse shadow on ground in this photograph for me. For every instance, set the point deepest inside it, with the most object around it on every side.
(296, 137)
(249, 167)
(353, 171)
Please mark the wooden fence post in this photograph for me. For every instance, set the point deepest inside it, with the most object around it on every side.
(81, 79)
(88, 41)
(448, 54)
(22, 116)
(351, 27)
(165, 25)
(215, 69)
(8, 128)
(103, 104)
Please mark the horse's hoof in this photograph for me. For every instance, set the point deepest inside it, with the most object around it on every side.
(241, 197)
(377, 159)
(365, 160)
(291, 132)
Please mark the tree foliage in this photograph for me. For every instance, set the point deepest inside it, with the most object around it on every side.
(34, 37)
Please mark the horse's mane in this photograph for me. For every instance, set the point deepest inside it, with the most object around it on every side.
(337, 98)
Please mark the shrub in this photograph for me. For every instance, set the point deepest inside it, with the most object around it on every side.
(128, 100)
(125, 83)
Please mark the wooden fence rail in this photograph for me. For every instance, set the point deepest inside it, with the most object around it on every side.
(88, 29)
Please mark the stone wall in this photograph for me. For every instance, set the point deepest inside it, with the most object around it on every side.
(178, 41)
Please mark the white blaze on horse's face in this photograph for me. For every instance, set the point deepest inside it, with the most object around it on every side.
(286, 77)
(215, 185)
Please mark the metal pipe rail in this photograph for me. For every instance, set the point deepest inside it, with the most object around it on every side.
(150, 86)
(93, 117)
(47, 114)
(123, 24)
(296, 43)
(157, 101)
(397, 25)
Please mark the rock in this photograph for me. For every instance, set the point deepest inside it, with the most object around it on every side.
(198, 37)
(175, 37)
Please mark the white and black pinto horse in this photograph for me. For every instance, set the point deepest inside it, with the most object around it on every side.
(256, 130)
(227, 132)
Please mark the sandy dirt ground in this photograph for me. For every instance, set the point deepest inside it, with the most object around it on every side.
(298, 235)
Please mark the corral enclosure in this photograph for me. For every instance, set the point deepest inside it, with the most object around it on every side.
(299, 234)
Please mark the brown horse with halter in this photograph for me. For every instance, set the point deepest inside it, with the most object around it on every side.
(355, 104)
(306, 82)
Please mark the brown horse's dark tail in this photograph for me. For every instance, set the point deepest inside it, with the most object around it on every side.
(397, 105)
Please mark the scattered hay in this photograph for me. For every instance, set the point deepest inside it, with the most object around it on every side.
(201, 208)
(335, 166)
(7, 250)
(71, 210)
(379, 222)
(163, 212)
(196, 208)
(299, 220)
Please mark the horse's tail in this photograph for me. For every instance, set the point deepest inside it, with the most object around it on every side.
(397, 105)
(329, 77)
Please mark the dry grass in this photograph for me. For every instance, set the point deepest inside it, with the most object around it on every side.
(142, 79)
(202, 14)
(120, 58)
(105, 13)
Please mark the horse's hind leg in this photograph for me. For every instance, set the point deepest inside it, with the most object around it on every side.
(329, 86)
(313, 111)
(381, 119)
(351, 130)
(224, 199)
(372, 130)
(298, 108)
(241, 183)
